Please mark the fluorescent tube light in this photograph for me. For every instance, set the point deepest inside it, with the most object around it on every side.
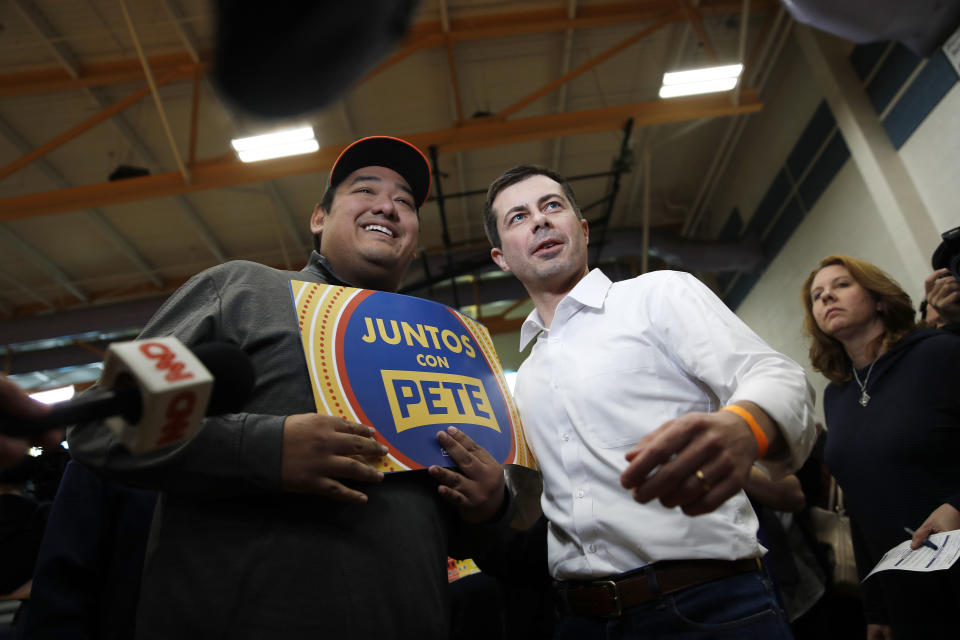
(269, 139)
(279, 151)
(54, 395)
(693, 88)
(695, 81)
(289, 142)
(701, 75)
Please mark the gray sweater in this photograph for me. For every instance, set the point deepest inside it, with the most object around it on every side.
(230, 555)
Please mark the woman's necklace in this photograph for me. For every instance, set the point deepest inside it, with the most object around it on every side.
(864, 396)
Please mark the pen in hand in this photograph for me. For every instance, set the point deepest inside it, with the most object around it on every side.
(926, 541)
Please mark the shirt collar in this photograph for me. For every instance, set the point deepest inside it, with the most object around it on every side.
(319, 265)
(589, 292)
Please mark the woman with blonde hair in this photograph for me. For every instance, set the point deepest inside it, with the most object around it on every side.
(893, 443)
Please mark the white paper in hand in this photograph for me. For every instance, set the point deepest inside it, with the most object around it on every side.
(904, 558)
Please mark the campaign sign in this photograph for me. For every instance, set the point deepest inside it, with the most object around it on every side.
(407, 367)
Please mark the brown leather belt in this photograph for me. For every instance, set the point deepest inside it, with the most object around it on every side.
(609, 598)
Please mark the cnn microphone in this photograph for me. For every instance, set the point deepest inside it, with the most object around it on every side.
(153, 393)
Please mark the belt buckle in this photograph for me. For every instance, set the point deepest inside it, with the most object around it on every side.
(616, 597)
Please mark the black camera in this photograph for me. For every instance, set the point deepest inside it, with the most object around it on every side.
(947, 254)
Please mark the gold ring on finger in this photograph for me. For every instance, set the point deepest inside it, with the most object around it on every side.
(703, 481)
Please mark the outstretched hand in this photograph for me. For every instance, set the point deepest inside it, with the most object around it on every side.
(478, 489)
(320, 450)
(944, 518)
(943, 294)
(695, 462)
(14, 401)
(879, 632)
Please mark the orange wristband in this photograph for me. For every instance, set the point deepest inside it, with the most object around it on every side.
(762, 443)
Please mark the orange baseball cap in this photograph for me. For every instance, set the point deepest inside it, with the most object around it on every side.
(385, 151)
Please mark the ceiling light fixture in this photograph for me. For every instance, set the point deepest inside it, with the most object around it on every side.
(54, 395)
(287, 142)
(696, 81)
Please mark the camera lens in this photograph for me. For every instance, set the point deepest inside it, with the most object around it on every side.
(947, 255)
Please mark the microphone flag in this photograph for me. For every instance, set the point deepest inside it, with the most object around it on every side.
(174, 386)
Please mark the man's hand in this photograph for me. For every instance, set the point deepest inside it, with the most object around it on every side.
(15, 402)
(319, 449)
(784, 494)
(477, 490)
(944, 518)
(943, 294)
(879, 632)
(719, 445)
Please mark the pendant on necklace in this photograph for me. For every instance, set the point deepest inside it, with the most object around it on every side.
(864, 399)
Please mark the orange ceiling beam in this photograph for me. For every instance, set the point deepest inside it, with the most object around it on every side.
(94, 75)
(194, 119)
(586, 66)
(504, 23)
(424, 35)
(477, 134)
(455, 83)
(696, 21)
(762, 35)
(84, 126)
(429, 35)
(410, 47)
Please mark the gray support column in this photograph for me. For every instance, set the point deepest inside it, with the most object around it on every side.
(900, 208)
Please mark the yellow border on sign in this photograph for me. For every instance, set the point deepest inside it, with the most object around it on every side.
(482, 334)
(319, 308)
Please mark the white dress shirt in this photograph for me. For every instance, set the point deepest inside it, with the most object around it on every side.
(619, 360)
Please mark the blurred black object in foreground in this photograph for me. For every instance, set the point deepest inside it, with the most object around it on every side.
(286, 57)
(920, 25)
(947, 255)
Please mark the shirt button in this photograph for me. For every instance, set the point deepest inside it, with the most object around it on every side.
(565, 437)
(592, 548)
(580, 493)
(555, 384)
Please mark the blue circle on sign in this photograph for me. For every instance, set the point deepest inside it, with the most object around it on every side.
(408, 362)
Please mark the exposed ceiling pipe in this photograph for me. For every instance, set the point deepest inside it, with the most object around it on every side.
(649, 134)
(458, 156)
(96, 215)
(175, 11)
(738, 125)
(68, 59)
(296, 231)
(438, 189)
(620, 164)
(708, 178)
(186, 207)
(624, 245)
(733, 130)
(622, 248)
(155, 91)
(742, 47)
(564, 70)
(764, 74)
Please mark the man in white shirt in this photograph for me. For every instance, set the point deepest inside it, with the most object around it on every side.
(646, 403)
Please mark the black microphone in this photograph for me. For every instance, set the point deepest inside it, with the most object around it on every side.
(153, 393)
(295, 57)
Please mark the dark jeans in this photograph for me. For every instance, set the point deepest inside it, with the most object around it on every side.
(741, 607)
